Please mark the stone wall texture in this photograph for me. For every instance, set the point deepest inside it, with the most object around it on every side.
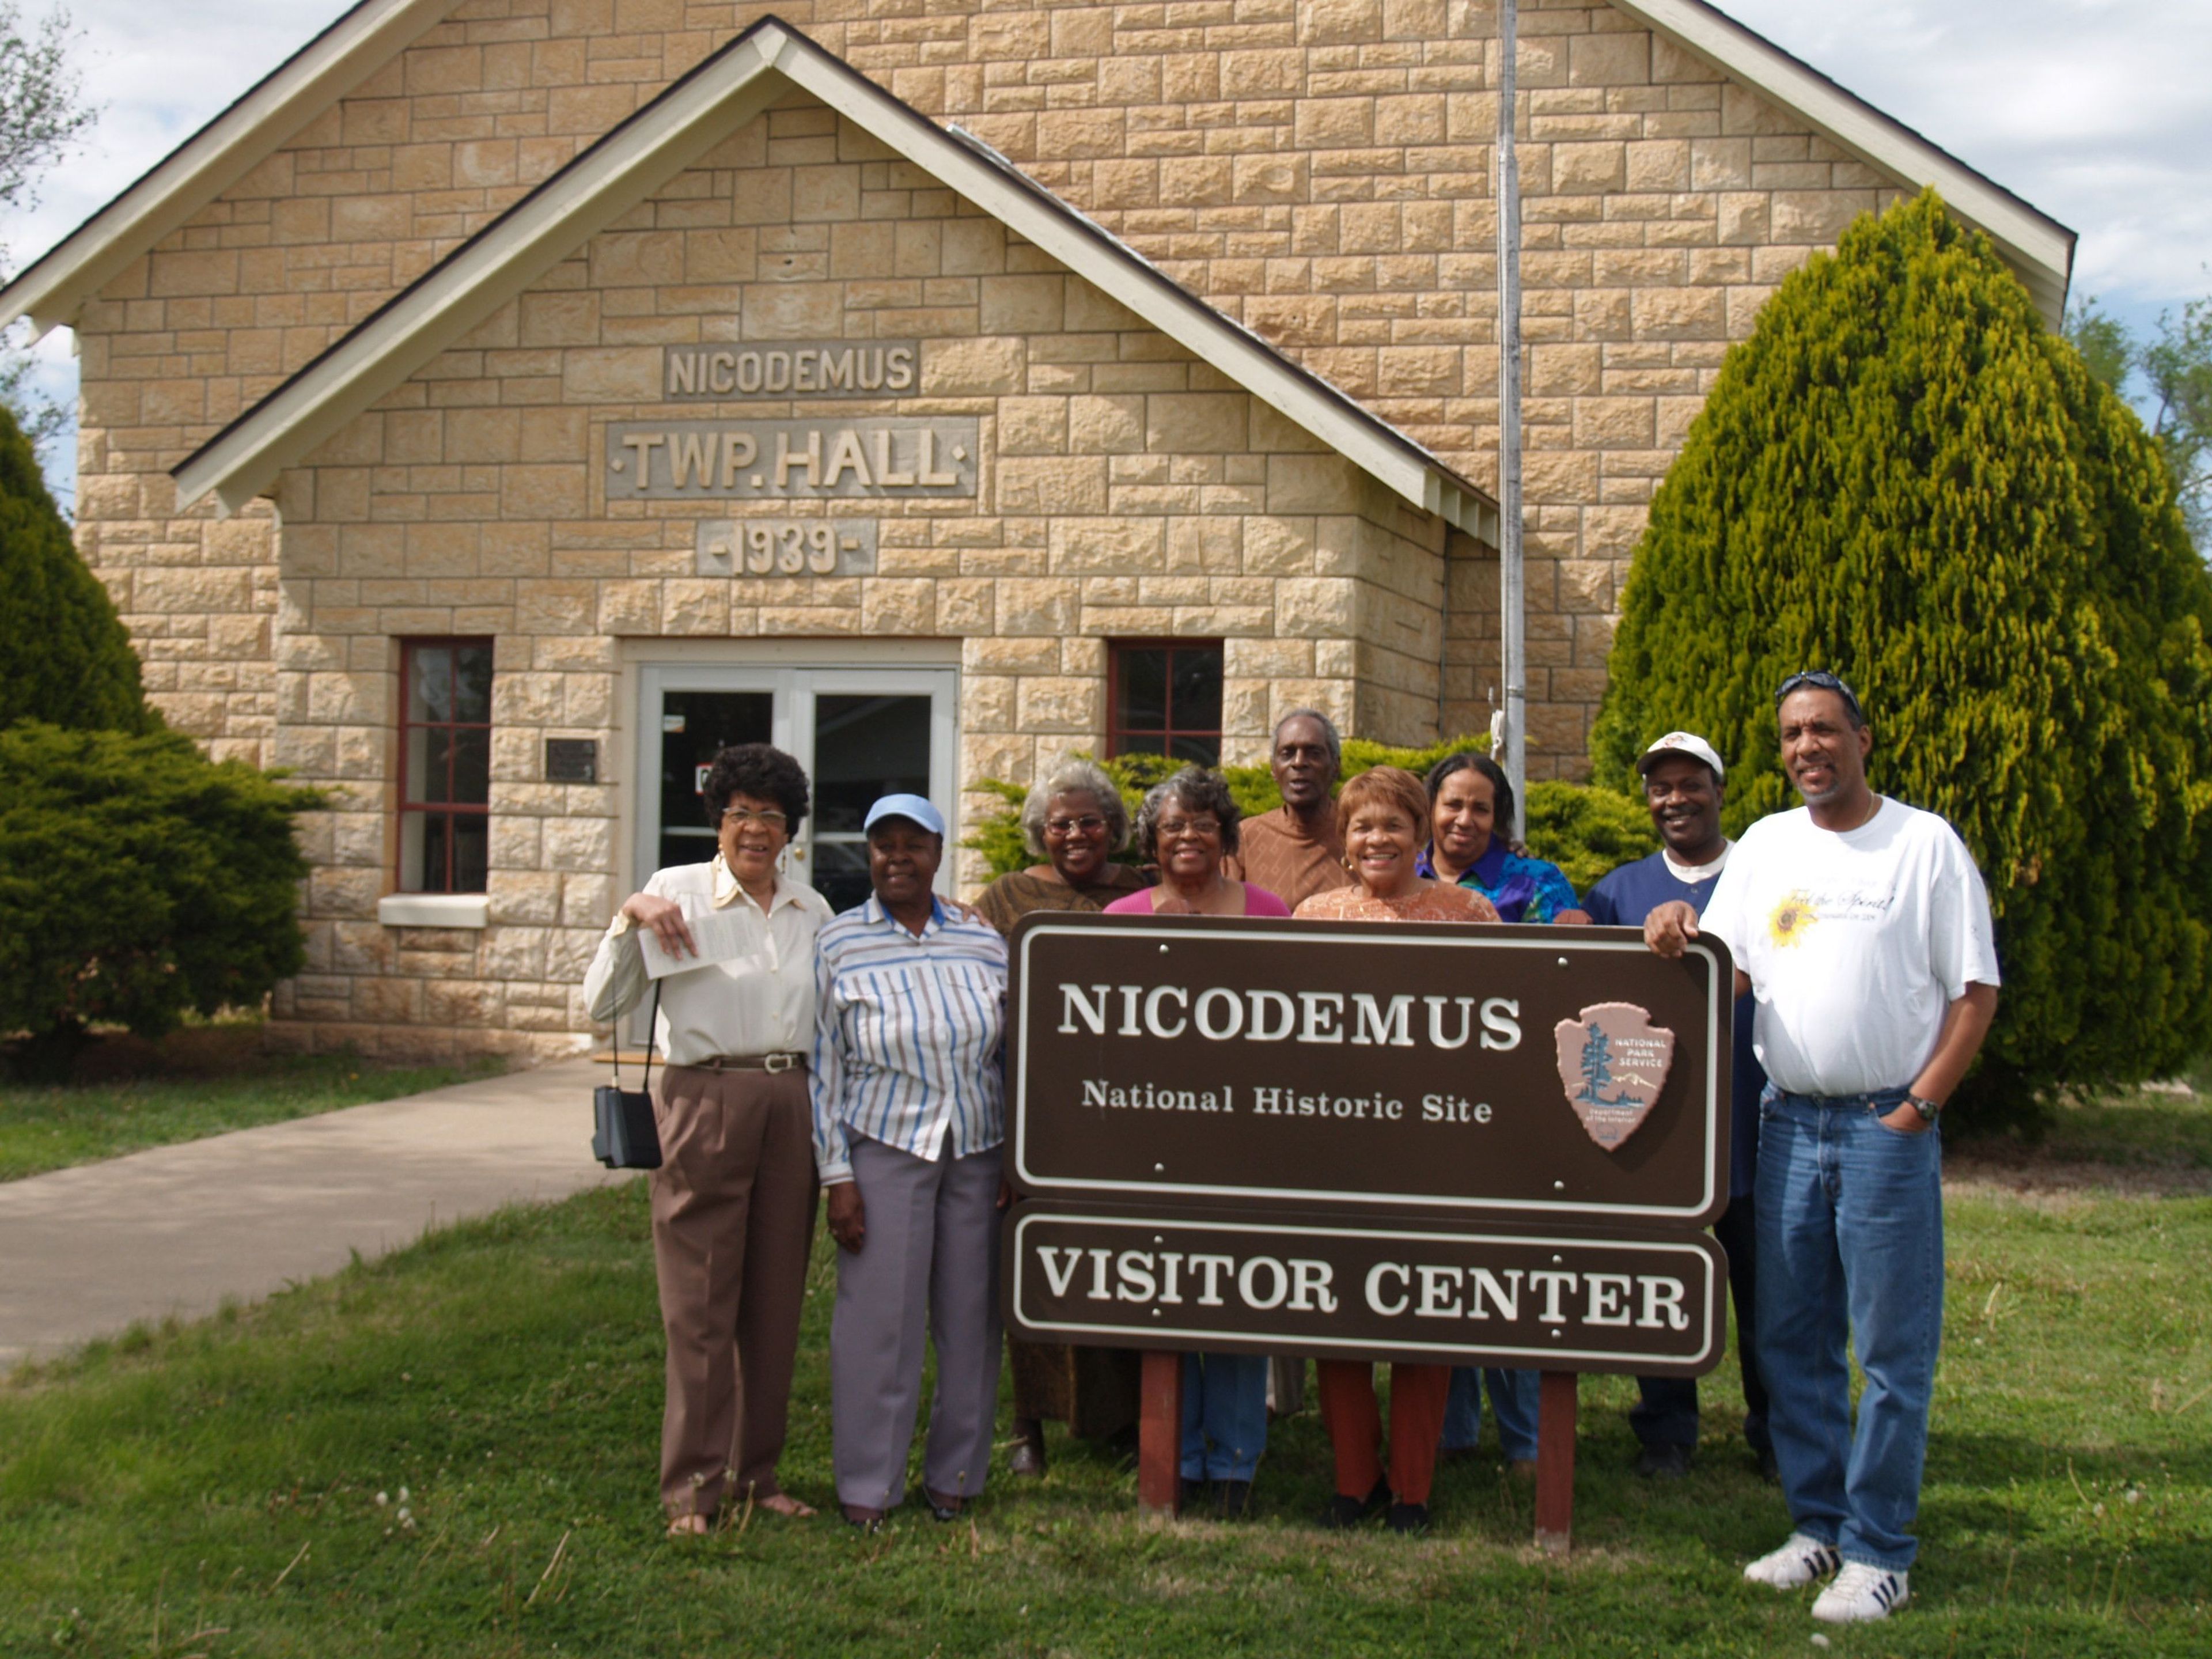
(1317, 171)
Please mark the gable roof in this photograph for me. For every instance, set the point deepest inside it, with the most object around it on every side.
(669, 134)
(53, 287)
(2038, 247)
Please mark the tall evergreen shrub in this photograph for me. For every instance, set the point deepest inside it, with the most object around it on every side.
(1905, 476)
(64, 656)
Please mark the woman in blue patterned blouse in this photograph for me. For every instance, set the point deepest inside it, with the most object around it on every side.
(1469, 799)
(1470, 815)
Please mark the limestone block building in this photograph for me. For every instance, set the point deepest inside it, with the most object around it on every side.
(507, 402)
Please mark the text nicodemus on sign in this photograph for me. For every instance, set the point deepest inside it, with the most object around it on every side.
(1203, 1060)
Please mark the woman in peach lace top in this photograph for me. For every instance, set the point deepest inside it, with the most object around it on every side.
(1382, 817)
(1390, 887)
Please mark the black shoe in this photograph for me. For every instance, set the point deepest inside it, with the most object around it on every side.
(1409, 1518)
(865, 1521)
(1233, 1499)
(1664, 1462)
(1769, 1470)
(945, 1506)
(1345, 1513)
(1193, 1496)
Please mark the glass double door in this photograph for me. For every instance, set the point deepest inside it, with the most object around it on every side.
(860, 734)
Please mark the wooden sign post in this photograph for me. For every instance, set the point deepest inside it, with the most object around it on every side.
(1555, 1462)
(1159, 1436)
(1501, 1149)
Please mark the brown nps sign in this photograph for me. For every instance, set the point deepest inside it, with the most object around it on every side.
(1561, 1075)
(1499, 1296)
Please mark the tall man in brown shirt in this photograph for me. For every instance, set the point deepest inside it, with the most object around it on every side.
(1294, 852)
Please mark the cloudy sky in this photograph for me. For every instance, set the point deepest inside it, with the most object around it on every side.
(2095, 111)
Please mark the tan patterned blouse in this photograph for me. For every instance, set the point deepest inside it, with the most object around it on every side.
(1434, 902)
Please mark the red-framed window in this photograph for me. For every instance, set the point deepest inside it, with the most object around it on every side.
(1163, 697)
(445, 765)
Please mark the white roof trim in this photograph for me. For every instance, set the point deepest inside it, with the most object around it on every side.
(671, 133)
(2036, 245)
(52, 291)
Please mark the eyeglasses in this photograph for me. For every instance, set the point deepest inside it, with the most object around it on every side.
(1089, 824)
(1822, 679)
(741, 816)
(1172, 828)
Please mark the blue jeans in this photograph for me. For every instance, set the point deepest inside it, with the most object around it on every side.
(1850, 1244)
(1513, 1397)
(1224, 1415)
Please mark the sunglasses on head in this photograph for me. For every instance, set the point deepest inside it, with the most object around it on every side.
(1822, 679)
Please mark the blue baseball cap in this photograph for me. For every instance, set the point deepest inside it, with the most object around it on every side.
(914, 808)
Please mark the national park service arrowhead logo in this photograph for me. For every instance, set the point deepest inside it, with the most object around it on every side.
(1613, 1063)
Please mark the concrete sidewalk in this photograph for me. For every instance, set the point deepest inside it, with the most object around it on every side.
(85, 1252)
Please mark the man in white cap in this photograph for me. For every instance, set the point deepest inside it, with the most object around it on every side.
(1864, 928)
(1683, 786)
(909, 1114)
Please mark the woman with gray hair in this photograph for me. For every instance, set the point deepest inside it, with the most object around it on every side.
(1074, 821)
(1188, 827)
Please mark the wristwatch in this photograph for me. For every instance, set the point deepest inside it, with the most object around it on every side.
(1929, 1110)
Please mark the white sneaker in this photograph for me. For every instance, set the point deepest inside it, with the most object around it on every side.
(1861, 1594)
(1799, 1561)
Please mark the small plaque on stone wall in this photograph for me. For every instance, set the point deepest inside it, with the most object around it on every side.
(572, 759)
(786, 547)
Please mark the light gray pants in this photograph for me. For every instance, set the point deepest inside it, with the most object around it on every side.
(931, 1250)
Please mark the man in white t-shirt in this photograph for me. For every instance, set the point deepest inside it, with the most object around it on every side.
(1863, 927)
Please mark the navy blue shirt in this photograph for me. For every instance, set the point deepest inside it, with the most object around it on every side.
(1623, 899)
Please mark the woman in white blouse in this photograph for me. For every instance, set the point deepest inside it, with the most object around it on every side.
(733, 1201)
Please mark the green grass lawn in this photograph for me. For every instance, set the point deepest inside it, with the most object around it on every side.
(204, 1081)
(2140, 1126)
(450, 1451)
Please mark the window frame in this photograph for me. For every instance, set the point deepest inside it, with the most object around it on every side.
(1169, 732)
(450, 809)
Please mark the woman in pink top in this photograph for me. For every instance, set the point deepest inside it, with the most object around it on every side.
(1188, 826)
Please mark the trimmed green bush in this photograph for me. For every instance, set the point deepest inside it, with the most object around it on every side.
(64, 656)
(1585, 831)
(1903, 475)
(139, 882)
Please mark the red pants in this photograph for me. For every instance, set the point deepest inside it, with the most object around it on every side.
(1354, 1422)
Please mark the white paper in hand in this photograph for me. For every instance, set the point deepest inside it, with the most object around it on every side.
(719, 935)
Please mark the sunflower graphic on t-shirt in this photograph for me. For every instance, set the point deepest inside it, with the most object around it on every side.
(1788, 924)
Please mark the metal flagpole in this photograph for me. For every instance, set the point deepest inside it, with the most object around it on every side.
(1512, 593)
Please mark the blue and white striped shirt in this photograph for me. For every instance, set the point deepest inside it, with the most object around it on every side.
(907, 1037)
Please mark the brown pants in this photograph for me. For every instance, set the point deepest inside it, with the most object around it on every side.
(1354, 1422)
(1093, 1390)
(732, 1220)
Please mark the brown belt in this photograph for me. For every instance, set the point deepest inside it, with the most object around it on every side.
(788, 1060)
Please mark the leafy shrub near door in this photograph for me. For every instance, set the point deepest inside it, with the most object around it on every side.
(139, 882)
(1584, 831)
